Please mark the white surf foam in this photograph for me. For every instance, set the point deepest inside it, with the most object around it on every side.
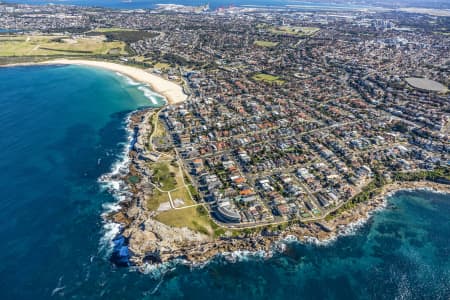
(128, 80)
(426, 189)
(347, 230)
(154, 97)
(113, 183)
(157, 271)
(111, 230)
(59, 288)
(245, 255)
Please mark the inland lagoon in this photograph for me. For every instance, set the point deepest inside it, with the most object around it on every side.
(62, 127)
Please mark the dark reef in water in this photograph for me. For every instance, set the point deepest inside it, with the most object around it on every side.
(121, 254)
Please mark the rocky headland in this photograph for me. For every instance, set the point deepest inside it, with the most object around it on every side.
(144, 240)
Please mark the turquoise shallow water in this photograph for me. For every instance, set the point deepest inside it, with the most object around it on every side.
(62, 127)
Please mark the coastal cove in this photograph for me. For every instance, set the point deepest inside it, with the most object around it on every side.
(65, 127)
(173, 92)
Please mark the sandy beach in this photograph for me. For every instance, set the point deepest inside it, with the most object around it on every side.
(172, 91)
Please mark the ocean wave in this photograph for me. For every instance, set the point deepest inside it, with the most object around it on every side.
(111, 207)
(58, 290)
(154, 97)
(156, 271)
(244, 255)
(110, 231)
(354, 227)
(345, 230)
(128, 80)
(318, 242)
(414, 189)
(114, 184)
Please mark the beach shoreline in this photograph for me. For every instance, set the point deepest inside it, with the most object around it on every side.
(170, 90)
(159, 243)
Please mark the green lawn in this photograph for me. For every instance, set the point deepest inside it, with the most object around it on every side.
(293, 30)
(442, 33)
(160, 129)
(195, 218)
(163, 175)
(44, 45)
(112, 29)
(155, 200)
(266, 44)
(161, 65)
(183, 194)
(268, 78)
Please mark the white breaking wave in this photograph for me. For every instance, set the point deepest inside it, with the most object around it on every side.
(113, 183)
(157, 270)
(128, 80)
(155, 98)
(111, 230)
(426, 189)
(245, 255)
(111, 207)
(352, 228)
(349, 229)
(59, 288)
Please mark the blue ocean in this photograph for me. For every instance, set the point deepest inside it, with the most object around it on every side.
(213, 4)
(62, 127)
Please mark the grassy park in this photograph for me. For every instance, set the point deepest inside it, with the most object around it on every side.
(195, 218)
(165, 175)
(47, 45)
(171, 185)
(111, 29)
(266, 44)
(182, 194)
(268, 78)
(294, 30)
(156, 199)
